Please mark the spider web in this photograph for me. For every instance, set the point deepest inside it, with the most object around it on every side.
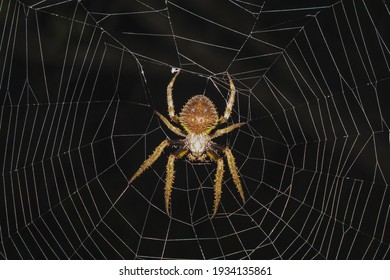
(79, 83)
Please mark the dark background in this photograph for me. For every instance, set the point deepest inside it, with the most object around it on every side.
(79, 83)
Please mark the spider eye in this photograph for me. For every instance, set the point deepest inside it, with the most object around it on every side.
(204, 110)
(192, 110)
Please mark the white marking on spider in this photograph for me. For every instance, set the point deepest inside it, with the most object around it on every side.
(197, 143)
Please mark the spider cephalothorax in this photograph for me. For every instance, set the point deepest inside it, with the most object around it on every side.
(198, 118)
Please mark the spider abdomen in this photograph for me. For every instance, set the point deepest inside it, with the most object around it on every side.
(199, 115)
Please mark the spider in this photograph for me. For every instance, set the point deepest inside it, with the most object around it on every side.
(198, 118)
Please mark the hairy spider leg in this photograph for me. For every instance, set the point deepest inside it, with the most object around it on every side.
(170, 177)
(230, 103)
(219, 173)
(169, 183)
(150, 160)
(171, 107)
(232, 167)
(218, 185)
(171, 127)
(218, 179)
(233, 170)
(225, 130)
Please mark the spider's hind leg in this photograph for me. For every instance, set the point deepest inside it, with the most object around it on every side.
(230, 103)
(171, 107)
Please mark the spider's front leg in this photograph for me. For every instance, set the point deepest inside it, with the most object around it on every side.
(171, 175)
(150, 160)
(218, 179)
(232, 167)
(169, 183)
(234, 171)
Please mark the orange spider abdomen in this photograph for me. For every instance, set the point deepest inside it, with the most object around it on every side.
(199, 114)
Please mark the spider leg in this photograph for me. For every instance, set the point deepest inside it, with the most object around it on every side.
(233, 170)
(180, 152)
(169, 182)
(218, 180)
(170, 177)
(229, 106)
(225, 130)
(171, 108)
(150, 160)
(171, 127)
(232, 166)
